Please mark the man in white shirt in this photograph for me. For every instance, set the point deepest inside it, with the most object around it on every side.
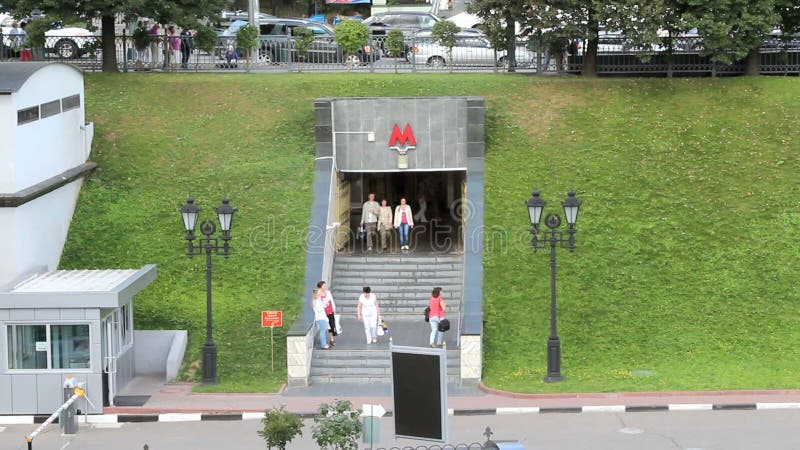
(369, 218)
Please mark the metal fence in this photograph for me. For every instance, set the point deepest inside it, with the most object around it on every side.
(678, 56)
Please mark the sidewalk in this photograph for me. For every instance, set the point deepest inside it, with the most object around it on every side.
(179, 398)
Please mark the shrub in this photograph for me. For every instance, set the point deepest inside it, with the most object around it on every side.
(338, 426)
(395, 43)
(352, 35)
(444, 33)
(303, 38)
(280, 427)
(205, 39)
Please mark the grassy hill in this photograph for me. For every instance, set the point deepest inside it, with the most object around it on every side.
(687, 242)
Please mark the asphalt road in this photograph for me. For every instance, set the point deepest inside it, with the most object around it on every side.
(682, 430)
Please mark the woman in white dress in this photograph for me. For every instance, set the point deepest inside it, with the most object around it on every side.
(368, 311)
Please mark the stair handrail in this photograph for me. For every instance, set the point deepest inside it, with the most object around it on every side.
(331, 230)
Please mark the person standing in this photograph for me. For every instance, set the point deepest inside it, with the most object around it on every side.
(330, 309)
(369, 218)
(384, 223)
(187, 46)
(368, 311)
(320, 318)
(15, 39)
(155, 40)
(174, 52)
(437, 305)
(404, 222)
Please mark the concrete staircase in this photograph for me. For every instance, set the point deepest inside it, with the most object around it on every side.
(402, 283)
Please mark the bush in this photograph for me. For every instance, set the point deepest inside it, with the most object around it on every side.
(141, 38)
(395, 43)
(205, 39)
(35, 30)
(303, 38)
(338, 426)
(352, 35)
(247, 38)
(444, 33)
(280, 427)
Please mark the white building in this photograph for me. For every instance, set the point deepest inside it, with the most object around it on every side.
(44, 146)
(58, 323)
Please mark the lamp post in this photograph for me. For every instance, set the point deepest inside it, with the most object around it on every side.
(554, 236)
(208, 244)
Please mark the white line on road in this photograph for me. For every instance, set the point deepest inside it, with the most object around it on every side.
(2, 429)
(691, 407)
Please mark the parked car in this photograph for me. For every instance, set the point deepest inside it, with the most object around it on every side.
(278, 45)
(471, 49)
(65, 42)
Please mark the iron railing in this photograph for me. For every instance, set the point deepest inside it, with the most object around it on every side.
(675, 56)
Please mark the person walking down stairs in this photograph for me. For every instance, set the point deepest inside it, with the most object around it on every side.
(368, 311)
(320, 318)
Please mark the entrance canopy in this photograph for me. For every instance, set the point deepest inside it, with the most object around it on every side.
(78, 288)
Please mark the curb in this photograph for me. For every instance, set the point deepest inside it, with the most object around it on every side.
(206, 417)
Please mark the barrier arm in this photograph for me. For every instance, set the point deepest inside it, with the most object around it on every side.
(79, 392)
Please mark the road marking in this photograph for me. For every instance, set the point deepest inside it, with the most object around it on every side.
(108, 425)
(606, 408)
(691, 407)
(631, 430)
(252, 415)
(2, 429)
(777, 405)
(64, 446)
(178, 417)
(104, 418)
(520, 410)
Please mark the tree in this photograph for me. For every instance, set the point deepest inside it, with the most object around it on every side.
(733, 29)
(506, 13)
(395, 44)
(205, 39)
(165, 11)
(337, 426)
(352, 35)
(280, 427)
(247, 38)
(444, 33)
(496, 33)
(303, 38)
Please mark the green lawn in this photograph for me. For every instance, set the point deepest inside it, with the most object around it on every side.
(687, 242)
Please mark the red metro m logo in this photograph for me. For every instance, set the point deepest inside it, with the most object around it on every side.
(405, 139)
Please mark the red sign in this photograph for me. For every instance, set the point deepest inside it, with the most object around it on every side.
(271, 319)
(405, 138)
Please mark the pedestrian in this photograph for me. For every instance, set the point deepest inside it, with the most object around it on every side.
(437, 305)
(384, 223)
(368, 311)
(404, 222)
(320, 318)
(174, 47)
(330, 309)
(231, 57)
(369, 218)
(187, 46)
(15, 39)
(155, 45)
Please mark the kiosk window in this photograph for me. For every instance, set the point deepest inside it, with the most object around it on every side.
(50, 108)
(48, 346)
(71, 102)
(28, 115)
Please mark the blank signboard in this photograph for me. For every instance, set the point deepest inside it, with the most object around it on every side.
(419, 386)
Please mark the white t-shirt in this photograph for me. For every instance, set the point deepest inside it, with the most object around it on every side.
(369, 304)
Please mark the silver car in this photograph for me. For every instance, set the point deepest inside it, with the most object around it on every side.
(471, 50)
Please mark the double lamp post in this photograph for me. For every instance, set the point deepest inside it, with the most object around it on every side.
(208, 245)
(554, 237)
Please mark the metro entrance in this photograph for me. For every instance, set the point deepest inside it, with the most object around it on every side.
(436, 198)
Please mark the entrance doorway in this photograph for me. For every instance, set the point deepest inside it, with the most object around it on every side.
(436, 199)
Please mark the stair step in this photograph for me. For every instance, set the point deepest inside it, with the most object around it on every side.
(395, 258)
(397, 273)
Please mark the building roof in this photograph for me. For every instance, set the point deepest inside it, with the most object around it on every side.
(78, 288)
(14, 74)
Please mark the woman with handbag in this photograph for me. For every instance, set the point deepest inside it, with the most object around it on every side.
(368, 312)
(437, 305)
(330, 310)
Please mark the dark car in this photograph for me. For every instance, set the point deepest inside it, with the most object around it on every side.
(278, 43)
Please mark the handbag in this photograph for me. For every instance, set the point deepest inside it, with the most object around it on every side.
(361, 232)
(380, 331)
(428, 314)
(338, 320)
(444, 325)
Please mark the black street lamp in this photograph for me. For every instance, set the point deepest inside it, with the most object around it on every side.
(553, 221)
(190, 212)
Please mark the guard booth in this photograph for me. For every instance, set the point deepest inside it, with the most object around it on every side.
(67, 323)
